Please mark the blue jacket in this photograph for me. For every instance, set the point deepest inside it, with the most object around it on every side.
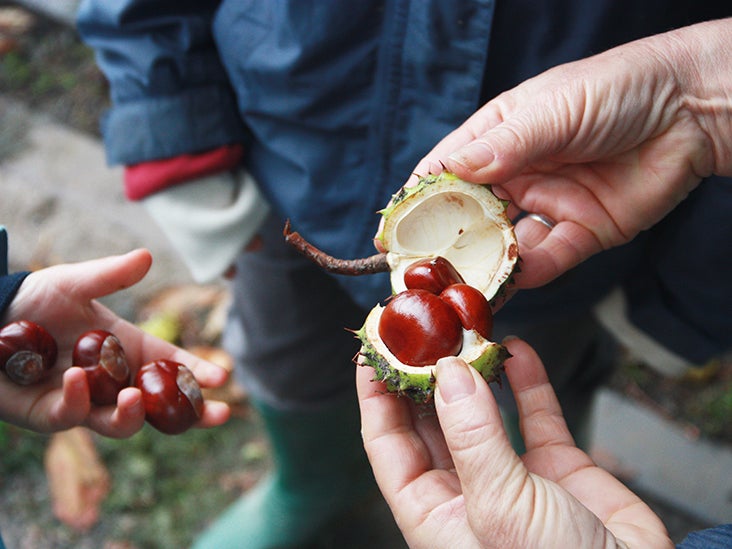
(337, 101)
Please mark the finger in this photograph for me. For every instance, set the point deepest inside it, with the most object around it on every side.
(75, 404)
(428, 428)
(399, 456)
(422, 419)
(120, 421)
(388, 434)
(63, 408)
(505, 149)
(104, 276)
(564, 247)
(215, 413)
(477, 125)
(540, 415)
(207, 374)
(141, 348)
(530, 232)
(551, 452)
(474, 431)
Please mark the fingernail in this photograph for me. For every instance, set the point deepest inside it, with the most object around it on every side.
(473, 156)
(454, 380)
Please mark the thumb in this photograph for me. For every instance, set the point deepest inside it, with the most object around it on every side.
(100, 277)
(502, 152)
(473, 428)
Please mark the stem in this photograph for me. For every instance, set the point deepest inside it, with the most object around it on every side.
(368, 265)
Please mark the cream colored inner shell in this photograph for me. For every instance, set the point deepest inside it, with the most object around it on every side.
(455, 226)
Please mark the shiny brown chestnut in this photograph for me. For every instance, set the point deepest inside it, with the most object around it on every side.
(471, 306)
(102, 357)
(433, 274)
(171, 396)
(27, 351)
(419, 328)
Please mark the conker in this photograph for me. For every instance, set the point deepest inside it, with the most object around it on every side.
(103, 359)
(433, 274)
(419, 328)
(27, 351)
(471, 306)
(171, 396)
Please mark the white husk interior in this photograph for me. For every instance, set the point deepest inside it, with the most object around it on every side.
(473, 233)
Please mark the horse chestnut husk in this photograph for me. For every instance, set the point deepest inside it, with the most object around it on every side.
(103, 359)
(27, 351)
(171, 396)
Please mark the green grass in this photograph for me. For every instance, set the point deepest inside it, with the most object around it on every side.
(164, 489)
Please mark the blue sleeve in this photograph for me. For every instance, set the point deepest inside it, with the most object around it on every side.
(170, 92)
(9, 283)
(718, 537)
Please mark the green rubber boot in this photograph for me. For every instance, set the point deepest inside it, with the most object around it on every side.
(320, 471)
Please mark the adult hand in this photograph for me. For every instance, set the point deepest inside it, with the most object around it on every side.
(62, 299)
(455, 481)
(605, 147)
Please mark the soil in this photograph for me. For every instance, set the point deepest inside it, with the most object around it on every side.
(44, 65)
(161, 493)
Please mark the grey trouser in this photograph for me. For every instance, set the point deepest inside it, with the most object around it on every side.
(288, 327)
(288, 333)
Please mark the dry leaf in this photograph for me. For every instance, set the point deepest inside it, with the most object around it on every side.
(199, 310)
(7, 44)
(77, 478)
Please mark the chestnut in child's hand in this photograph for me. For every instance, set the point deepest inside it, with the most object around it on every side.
(171, 396)
(103, 359)
(27, 351)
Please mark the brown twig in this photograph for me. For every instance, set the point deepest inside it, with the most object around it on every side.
(368, 265)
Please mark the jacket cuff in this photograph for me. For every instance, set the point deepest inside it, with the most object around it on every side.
(165, 127)
(9, 283)
(142, 180)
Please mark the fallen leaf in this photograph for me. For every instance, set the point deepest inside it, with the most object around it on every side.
(78, 480)
(163, 325)
(200, 311)
(7, 44)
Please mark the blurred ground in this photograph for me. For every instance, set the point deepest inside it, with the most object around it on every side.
(669, 439)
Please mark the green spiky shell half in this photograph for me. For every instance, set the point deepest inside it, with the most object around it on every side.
(465, 223)
(418, 382)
